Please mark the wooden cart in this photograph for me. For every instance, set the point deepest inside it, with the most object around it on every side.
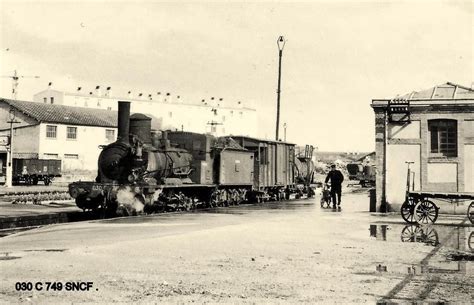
(418, 208)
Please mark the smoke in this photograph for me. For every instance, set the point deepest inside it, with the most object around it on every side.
(128, 203)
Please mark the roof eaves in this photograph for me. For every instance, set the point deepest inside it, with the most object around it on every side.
(460, 86)
(9, 102)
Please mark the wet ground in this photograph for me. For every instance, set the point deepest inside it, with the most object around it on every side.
(283, 252)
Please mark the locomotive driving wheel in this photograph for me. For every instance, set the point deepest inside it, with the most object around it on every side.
(426, 212)
(408, 210)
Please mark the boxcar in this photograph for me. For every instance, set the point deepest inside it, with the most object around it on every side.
(273, 166)
(30, 171)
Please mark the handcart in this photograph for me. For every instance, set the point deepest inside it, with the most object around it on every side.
(418, 208)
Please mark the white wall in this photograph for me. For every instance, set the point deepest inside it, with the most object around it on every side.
(175, 113)
(86, 146)
(397, 154)
(58, 97)
(469, 168)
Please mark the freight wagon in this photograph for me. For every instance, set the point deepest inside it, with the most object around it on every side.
(31, 171)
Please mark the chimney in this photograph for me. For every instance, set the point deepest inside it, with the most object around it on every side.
(123, 122)
(129, 94)
(168, 97)
(50, 85)
(108, 92)
(140, 95)
(90, 93)
(160, 97)
(178, 97)
(150, 97)
(79, 89)
(97, 90)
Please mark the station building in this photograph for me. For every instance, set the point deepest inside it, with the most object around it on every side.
(434, 129)
(215, 115)
(46, 131)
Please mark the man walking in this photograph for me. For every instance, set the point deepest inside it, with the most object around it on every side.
(336, 178)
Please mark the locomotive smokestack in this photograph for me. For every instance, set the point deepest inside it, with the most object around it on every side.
(123, 122)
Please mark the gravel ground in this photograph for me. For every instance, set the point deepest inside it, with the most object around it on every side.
(288, 253)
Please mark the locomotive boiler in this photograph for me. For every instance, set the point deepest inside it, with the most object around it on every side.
(138, 153)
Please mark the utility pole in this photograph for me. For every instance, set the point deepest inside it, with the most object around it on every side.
(15, 82)
(281, 45)
(9, 173)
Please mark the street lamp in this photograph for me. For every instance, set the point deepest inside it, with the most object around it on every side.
(9, 173)
(281, 44)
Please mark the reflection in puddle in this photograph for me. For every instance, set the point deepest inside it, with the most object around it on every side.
(379, 231)
(414, 233)
(444, 267)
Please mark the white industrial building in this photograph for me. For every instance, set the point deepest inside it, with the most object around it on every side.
(214, 115)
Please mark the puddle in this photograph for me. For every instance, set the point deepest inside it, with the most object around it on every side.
(460, 256)
(7, 258)
(45, 250)
(451, 252)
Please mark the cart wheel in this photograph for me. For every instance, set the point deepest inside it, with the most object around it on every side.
(408, 211)
(470, 242)
(430, 236)
(426, 212)
(470, 212)
(411, 233)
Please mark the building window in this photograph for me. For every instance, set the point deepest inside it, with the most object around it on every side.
(52, 100)
(223, 118)
(51, 156)
(110, 134)
(443, 136)
(51, 131)
(71, 156)
(109, 108)
(45, 100)
(170, 114)
(72, 133)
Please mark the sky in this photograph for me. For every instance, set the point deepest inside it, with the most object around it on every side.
(338, 56)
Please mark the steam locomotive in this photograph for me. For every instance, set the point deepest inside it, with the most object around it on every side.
(146, 172)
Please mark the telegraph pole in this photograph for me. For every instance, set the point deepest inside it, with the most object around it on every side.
(9, 173)
(15, 82)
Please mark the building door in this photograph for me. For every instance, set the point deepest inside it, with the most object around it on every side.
(397, 155)
(469, 168)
